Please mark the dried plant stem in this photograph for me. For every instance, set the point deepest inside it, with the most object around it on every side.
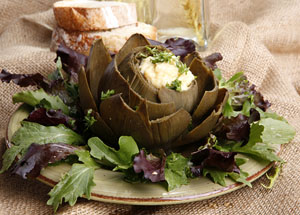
(192, 13)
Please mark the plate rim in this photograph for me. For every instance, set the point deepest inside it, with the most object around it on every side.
(149, 201)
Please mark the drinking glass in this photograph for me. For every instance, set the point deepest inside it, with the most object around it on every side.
(182, 18)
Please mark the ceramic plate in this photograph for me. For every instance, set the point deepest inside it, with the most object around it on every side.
(110, 187)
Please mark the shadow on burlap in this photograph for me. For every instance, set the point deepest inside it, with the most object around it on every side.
(267, 49)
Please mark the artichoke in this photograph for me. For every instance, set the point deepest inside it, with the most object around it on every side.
(154, 117)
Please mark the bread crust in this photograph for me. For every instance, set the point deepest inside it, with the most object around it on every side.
(113, 39)
(105, 15)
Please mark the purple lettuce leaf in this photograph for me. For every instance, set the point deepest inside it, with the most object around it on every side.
(51, 118)
(179, 46)
(236, 128)
(25, 80)
(39, 156)
(152, 166)
(212, 59)
(211, 158)
(72, 61)
(259, 100)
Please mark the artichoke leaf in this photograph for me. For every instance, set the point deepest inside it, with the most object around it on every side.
(129, 69)
(190, 57)
(101, 129)
(185, 99)
(203, 129)
(206, 104)
(123, 120)
(167, 129)
(112, 79)
(98, 61)
(86, 98)
(205, 77)
(155, 110)
(134, 41)
(207, 88)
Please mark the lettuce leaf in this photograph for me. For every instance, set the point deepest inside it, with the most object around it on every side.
(40, 97)
(10, 155)
(35, 133)
(176, 169)
(25, 80)
(31, 132)
(219, 176)
(150, 165)
(276, 131)
(51, 118)
(76, 183)
(256, 147)
(39, 156)
(121, 159)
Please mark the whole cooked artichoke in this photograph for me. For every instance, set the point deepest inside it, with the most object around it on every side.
(154, 117)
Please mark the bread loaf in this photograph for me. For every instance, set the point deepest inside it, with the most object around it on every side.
(87, 15)
(113, 39)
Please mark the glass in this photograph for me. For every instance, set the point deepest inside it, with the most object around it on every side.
(143, 9)
(182, 18)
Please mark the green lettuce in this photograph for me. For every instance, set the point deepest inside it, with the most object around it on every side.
(121, 159)
(40, 97)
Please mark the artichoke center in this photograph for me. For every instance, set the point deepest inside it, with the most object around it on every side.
(166, 70)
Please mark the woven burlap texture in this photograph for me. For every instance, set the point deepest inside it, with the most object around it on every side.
(261, 38)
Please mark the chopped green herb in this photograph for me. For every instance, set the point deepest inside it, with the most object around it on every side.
(175, 85)
(89, 120)
(159, 56)
(182, 67)
(106, 95)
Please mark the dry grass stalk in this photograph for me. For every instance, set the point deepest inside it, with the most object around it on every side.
(192, 13)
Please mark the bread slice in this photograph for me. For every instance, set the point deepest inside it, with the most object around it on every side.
(113, 39)
(87, 15)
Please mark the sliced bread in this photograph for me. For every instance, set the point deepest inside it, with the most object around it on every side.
(88, 15)
(113, 39)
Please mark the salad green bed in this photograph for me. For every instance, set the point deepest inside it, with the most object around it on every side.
(56, 122)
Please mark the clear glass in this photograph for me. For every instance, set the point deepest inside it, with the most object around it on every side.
(182, 18)
(143, 9)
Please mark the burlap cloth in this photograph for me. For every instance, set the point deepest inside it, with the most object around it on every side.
(261, 38)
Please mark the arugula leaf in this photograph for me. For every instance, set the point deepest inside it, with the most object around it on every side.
(176, 168)
(217, 176)
(273, 177)
(31, 132)
(242, 177)
(85, 157)
(121, 159)
(40, 97)
(76, 183)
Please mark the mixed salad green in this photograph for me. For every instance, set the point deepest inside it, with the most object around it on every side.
(58, 130)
